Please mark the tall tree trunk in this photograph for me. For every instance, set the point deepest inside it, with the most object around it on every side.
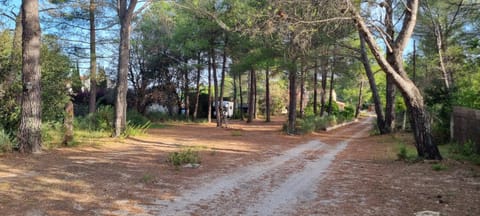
(125, 13)
(267, 94)
(251, 97)
(197, 90)
(29, 133)
(222, 79)
(324, 87)
(187, 95)
(209, 116)
(216, 100)
(255, 101)
(390, 105)
(15, 56)
(93, 60)
(235, 99)
(302, 89)
(373, 86)
(292, 104)
(390, 89)
(330, 98)
(315, 88)
(241, 95)
(360, 98)
(68, 123)
(419, 119)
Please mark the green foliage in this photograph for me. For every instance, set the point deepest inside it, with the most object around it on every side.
(305, 125)
(52, 134)
(7, 142)
(56, 69)
(346, 115)
(184, 156)
(136, 130)
(101, 120)
(439, 167)
(136, 118)
(312, 123)
(406, 153)
(464, 152)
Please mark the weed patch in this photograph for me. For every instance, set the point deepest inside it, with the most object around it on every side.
(184, 156)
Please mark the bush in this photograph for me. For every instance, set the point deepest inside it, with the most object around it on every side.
(52, 134)
(101, 120)
(331, 120)
(465, 152)
(185, 156)
(346, 115)
(136, 118)
(305, 125)
(7, 143)
(406, 153)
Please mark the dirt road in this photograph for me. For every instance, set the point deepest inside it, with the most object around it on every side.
(277, 186)
(247, 169)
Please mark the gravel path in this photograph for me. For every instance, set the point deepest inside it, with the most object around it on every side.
(277, 186)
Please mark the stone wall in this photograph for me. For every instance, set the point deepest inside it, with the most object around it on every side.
(466, 125)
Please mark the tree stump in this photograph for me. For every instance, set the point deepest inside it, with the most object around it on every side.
(68, 124)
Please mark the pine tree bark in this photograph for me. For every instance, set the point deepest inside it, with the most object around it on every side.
(267, 94)
(197, 90)
(302, 89)
(324, 88)
(93, 60)
(360, 98)
(255, 101)
(187, 94)
(241, 96)
(330, 98)
(68, 123)
(125, 13)
(251, 97)
(315, 88)
(29, 133)
(216, 100)
(390, 89)
(292, 104)
(222, 78)
(373, 86)
(209, 114)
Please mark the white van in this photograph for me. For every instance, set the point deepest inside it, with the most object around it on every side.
(227, 109)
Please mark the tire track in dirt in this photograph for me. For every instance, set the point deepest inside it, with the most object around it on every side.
(272, 187)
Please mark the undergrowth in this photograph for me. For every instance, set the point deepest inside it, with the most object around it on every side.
(7, 141)
(184, 156)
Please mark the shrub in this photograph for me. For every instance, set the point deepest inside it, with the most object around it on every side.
(331, 120)
(305, 125)
(52, 134)
(406, 153)
(320, 123)
(7, 143)
(136, 118)
(185, 156)
(464, 151)
(101, 120)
